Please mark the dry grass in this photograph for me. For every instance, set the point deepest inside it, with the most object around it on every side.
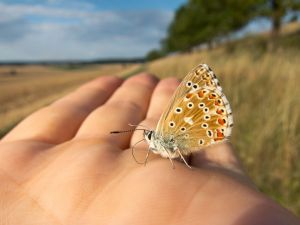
(263, 90)
(27, 88)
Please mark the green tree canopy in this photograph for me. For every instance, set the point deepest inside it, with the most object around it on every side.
(201, 21)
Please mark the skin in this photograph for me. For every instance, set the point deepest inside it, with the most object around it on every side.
(61, 166)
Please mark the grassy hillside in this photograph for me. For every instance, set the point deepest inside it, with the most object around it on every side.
(263, 89)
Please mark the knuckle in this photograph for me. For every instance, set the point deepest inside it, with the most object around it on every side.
(125, 106)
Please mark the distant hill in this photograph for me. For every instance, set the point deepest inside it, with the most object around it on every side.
(75, 62)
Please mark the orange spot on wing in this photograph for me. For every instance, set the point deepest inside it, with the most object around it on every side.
(200, 94)
(221, 121)
(189, 95)
(211, 96)
(220, 135)
(219, 111)
(218, 102)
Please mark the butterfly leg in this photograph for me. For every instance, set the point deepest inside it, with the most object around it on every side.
(169, 156)
(146, 160)
(132, 152)
(182, 157)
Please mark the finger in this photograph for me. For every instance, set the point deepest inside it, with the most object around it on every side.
(129, 104)
(219, 156)
(60, 121)
(160, 99)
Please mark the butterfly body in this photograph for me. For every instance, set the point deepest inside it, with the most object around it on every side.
(197, 116)
(166, 145)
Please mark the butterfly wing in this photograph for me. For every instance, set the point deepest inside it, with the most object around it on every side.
(200, 76)
(199, 114)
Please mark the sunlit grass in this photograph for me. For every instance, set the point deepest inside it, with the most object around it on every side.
(263, 90)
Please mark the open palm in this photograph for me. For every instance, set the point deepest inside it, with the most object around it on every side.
(61, 166)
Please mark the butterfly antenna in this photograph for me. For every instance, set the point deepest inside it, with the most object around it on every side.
(140, 125)
(124, 131)
(132, 152)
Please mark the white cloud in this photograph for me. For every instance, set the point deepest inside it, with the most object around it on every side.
(39, 32)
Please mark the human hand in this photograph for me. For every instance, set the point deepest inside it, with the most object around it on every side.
(61, 166)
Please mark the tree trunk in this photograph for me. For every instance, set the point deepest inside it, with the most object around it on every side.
(276, 17)
(276, 23)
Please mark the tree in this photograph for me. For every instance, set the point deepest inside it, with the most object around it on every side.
(201, 21)
(154, 54)
(275, 10)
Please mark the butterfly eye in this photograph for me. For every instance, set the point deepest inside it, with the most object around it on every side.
(190, 105)
(172, 124)
(201, 105)
(189, 84)
(178, 110)
(149, 135)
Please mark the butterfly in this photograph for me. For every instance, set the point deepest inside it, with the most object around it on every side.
(198, 115)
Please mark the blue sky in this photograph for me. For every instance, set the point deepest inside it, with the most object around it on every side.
(77, 29)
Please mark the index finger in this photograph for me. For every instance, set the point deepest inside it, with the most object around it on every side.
(60, 121)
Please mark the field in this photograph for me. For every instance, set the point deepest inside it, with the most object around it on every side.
(24, 89)
(262, 87)
(264, 94)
